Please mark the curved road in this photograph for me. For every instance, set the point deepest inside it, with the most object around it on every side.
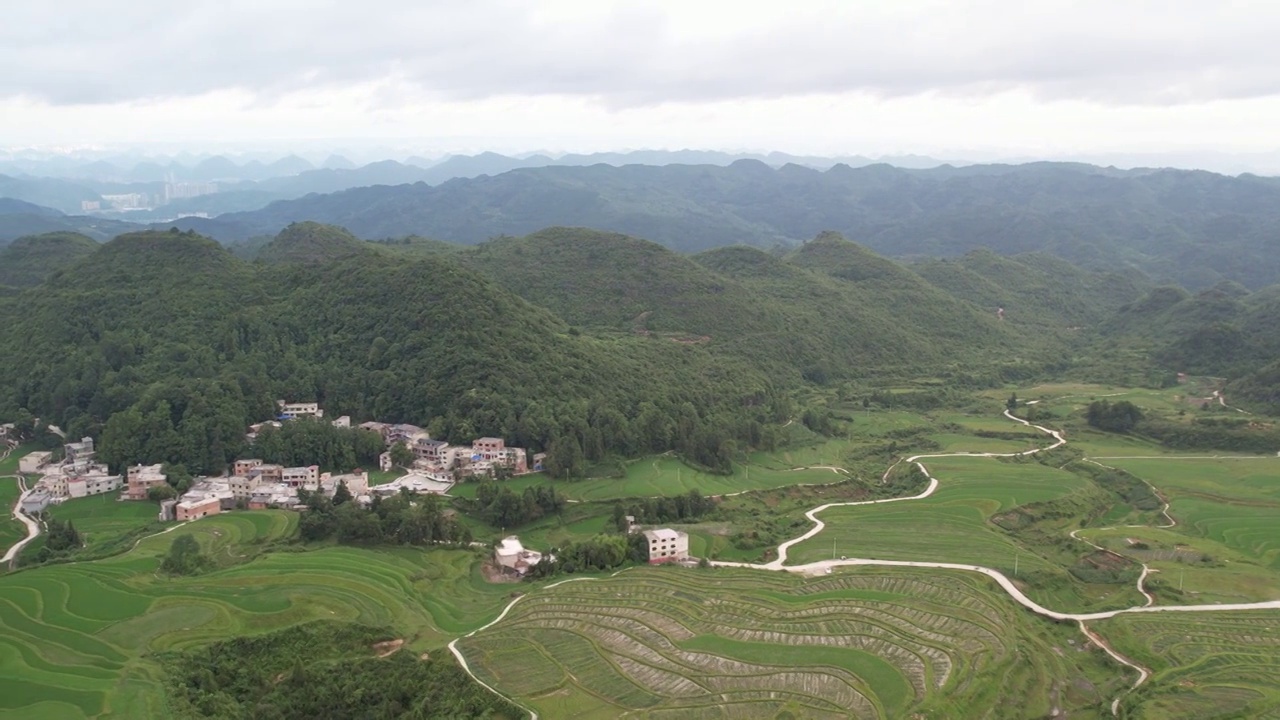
(33, 527)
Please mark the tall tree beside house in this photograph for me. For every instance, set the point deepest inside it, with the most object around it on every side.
(401, 455)
(342, 495)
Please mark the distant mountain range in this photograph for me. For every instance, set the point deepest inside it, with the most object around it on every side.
(253, 184)
(1190, 227)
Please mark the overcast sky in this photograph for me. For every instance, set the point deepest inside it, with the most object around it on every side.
(1040, 77)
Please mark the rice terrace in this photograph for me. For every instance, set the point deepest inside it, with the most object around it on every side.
(1064, 573)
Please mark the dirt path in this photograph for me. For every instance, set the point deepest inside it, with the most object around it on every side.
(33, 527)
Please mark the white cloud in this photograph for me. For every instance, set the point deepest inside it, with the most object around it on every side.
(819, 76)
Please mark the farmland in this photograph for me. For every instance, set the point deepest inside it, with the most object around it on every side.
(952, 525)
(1205, 667)
(75, 638)
(730, 643)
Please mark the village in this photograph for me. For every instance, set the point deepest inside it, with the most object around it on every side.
(252, 484)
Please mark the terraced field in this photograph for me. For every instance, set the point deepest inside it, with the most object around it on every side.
(1210, 666)
(74, 639)
(678, 643)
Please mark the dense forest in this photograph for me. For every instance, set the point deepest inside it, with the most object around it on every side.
(165, 346)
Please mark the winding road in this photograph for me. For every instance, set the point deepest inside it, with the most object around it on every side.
(33, 527)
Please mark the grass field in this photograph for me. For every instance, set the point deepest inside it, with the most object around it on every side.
(1205, 667)
(74, 638)
(677, 643)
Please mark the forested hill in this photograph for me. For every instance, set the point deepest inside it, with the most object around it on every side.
(166, 346)
(829, 310)
(1187, 227)
(29, 260)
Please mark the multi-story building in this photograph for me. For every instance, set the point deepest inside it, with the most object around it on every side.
(243, 486)
(79, 486)
(243, 468)
(34, 462)
(666, 545)
(301, 477)
(141, 478)
(79, 451)
(292, 411)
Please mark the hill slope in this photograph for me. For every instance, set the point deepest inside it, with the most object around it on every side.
(29, 260)
(310, 243)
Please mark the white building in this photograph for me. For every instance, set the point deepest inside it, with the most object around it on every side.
(291, 411)
(666, 545)
(512, 557)
(32, 463)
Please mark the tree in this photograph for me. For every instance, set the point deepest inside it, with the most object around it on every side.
(1012, 403)
(565, 458)
(342, 495)
(1120, 417)
(160, 493)
(401, 455)
(184, 557)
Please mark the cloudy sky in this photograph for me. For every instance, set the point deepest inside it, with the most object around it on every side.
(946, 77)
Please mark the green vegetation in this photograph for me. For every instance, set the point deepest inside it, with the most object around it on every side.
(324, 669)
(27, 261)
(873, 643)
(310, 243)
(184, 558)
(399, 520)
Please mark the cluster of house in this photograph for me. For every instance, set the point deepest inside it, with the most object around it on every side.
(256, 485)
(76, 476)
(438, 459)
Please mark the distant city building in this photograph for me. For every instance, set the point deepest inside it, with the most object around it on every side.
(90, 205)
(181, 190)
(128, 201)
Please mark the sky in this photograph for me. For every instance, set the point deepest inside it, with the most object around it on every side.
(975, 78)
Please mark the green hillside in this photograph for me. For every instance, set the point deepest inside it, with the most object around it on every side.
(1034, 288)
(310, 243)
(177, 345)
(29, 260)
